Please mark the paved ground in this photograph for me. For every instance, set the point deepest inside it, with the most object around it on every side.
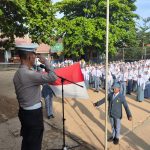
(85, 125)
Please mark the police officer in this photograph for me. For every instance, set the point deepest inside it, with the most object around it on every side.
(27, 87)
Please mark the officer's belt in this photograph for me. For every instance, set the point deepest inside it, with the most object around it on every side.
(36, 106)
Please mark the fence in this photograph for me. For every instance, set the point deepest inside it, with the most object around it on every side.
(131, 54)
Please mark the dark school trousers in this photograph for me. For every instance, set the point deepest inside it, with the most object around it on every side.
(32, 128)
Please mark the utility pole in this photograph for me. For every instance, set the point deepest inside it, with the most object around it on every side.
(123, 53)
(145, 52)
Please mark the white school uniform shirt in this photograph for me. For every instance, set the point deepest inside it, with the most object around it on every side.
(85, 73)
(124, 76)
(135, 75)
(117, 75)
(141, 82)
(111, 68)
(130, 74)
(146, 77)
(120, 76)
(97, 72)
(110, 78)
(92, 71)
(140, 71)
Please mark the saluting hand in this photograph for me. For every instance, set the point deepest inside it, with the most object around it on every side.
(94, 104)
(42, 59)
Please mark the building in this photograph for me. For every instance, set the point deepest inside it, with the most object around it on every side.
(11, 56)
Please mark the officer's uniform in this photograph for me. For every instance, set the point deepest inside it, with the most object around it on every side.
(27, 87)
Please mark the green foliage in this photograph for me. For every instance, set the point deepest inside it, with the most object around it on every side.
(41, 21)
(143, 32)
(83, 26)
(134, 53)
(11, 20)
(35, 17)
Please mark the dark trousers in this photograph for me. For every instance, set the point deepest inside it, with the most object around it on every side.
(32, 128)
(129, 87)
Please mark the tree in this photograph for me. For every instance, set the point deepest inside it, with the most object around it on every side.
(84, 23)
(82, 26)
(11, 22)
(35, 17)
(41, 21)
(143, 31)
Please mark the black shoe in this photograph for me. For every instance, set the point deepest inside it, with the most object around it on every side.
(51, 116)
(110, 139)
(96, 91)
(116, 141)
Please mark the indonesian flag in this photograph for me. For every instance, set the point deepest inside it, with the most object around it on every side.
(72, 73)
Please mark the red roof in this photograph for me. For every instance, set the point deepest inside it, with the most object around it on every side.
(147, 45)
(24, 40)
(43, 48)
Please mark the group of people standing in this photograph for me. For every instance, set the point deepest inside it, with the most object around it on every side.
(123, 78)
(132, 77)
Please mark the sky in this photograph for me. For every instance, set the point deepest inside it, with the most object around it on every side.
(143, 8)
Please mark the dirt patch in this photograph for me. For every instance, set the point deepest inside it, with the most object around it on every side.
(8, 108)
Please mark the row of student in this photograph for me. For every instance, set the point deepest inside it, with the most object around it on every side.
(131, 76)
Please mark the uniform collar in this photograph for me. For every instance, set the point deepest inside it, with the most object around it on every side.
(24, 66)
(115, 95)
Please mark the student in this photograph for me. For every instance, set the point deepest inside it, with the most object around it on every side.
(116, 100)
(140, 88)
(47, 94)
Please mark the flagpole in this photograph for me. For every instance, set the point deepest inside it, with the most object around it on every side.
(106, 65)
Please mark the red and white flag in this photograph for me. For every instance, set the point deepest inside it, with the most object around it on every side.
(72, 73)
